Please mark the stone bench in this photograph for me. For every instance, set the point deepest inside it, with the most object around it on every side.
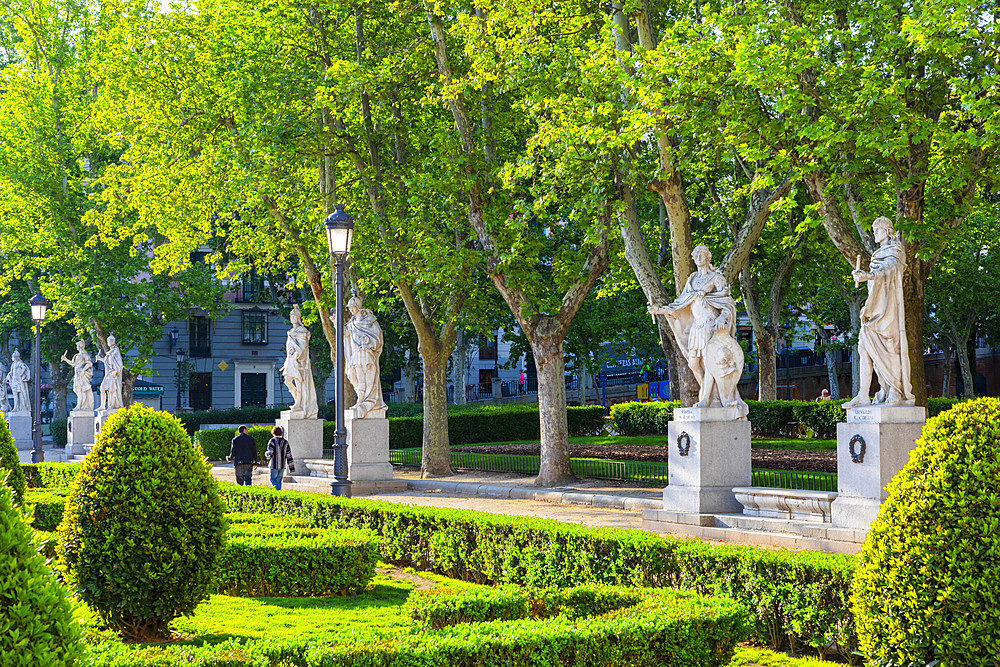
(785, 503)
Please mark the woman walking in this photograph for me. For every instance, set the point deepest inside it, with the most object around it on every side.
(279, 456)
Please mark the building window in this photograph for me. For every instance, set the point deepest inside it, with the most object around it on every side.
(200, 333)
(253, 288)
(254, 327)
(201, 391)
(488, 350)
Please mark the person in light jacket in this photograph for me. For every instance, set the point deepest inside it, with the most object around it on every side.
(279, 456)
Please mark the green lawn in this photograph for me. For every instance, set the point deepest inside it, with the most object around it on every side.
(660, 440)
(759, 657)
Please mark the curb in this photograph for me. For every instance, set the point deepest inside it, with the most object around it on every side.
(571, 497)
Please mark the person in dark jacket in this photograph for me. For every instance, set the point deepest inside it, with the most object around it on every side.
(279, 456)
(243, 454)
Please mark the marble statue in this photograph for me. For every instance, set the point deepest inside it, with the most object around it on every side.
(362, 348)
(298, 369)
(3, 389)
(703, 319)
(83, 371)
(882, 344)
(18, 379)
(111, 385)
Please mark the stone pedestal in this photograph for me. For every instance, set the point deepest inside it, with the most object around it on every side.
(20, 428)
(708, 453)
(368, 447)
(871, 448)
(304, 435)
(100, 417)
(79, 431)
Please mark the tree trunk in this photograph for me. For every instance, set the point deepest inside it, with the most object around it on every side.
(61, 376)
(914, 279)
(767, 384)
(962, 352)
(554, 468)
(320, 379)
(436, 457)
(946, 372)
(582, 378)
(59, 403)
(459, 362)
(410, 379)
(854, 307)
(833, 375)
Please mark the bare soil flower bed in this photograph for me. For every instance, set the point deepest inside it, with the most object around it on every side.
(771, 459)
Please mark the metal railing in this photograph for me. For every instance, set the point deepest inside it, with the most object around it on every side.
(643, 472)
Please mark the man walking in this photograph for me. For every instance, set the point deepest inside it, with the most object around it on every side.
(243, 454)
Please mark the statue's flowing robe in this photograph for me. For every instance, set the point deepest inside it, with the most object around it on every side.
(883, 325)
(298, 368)
(18, 379)
(83, 371)
(112, 382)
(362, 348)
(685, 321)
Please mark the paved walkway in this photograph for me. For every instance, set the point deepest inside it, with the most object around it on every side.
(589, 502)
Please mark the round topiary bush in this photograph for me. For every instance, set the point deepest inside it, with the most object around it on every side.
(143, 525)
(10, 465)
(927, 585)
(36, 621)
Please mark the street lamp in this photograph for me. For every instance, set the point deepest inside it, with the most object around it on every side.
(180, 375)
(38, 305)
(339, 234)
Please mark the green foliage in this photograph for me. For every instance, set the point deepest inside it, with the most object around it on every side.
(927, 587)
(493, 423)
(36, 627)
(215, 443)
(504, 603)
(248, 415)
(145, 501)
(642, 418)
(283, 559)
(57, 429)
(10, 466)
(801, 596)
(47, 507)
(50, 475)
(643, 628)
(767, 418)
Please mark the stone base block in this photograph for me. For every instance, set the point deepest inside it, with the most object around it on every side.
(79, 431)
(20, 428)
(100, 417)
(869, 454)
(706, 458)
(368, 449)
(791, 504)
(304, 435)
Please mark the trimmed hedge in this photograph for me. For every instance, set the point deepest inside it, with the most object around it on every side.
(767, 418)
(143, 525)
(927, 588)
(57, 431)
(798, 596)
(50, 475)
(283, 559)
(433, 611)
(38, 628)
(466, 426)
(10, 466)
(216, 442)
(665, 627)
(48, 505)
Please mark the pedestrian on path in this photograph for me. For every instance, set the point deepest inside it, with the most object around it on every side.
(520, 383)
(279, 456)
(243, 454)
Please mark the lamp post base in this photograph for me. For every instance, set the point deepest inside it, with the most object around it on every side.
(341, 488)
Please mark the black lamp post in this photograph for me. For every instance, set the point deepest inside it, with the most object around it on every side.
(38, 305)
(180, 375)
(339, 233)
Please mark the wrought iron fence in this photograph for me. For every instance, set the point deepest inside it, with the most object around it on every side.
(643, 472)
